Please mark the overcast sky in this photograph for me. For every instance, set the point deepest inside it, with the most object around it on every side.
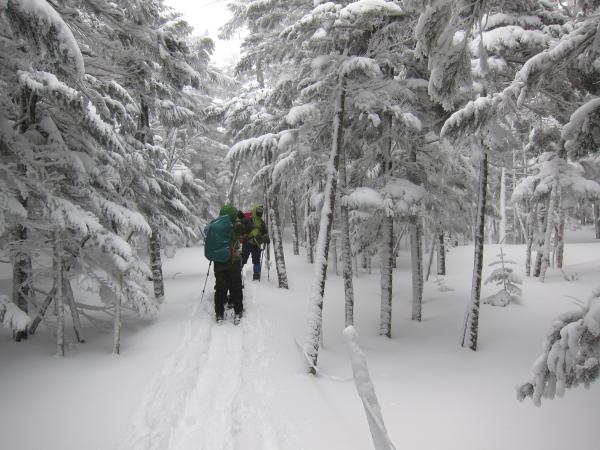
(206, 16)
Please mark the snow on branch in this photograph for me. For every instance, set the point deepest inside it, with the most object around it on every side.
(39, 18)
(124, 217)
(509, 37)
(363, 198)
(578, 122)
(302, 114)
(571, 354)
(360, 65)
(255, 146)
(546, 60)
(376, 8)
(283, 166)
(175, 115)
(405, 194)
(11, 316)
(477, 112)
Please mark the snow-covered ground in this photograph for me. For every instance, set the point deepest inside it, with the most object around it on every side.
(181, 382)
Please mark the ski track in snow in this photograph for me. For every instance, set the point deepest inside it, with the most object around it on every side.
(212, 391)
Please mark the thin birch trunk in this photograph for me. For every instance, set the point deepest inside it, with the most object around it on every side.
(156, 264)
(315, 320)
(549, 228)
(441, 253)
(471, 323)
(308, 233)
(58, 267)
(430, 260)
(387, 256)
(295, 237)
(416, 254)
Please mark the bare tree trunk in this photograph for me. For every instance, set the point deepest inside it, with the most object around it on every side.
(560, 234)
(471, 323)
(597, 218)
(387, 256)
(441, 253)
(68, 292)
(59, 283)
(295, 237)
(277, 241)
(549, 228)
(315, 319)
(430, 260)
(156, 264)
(502, 229)
(42, 311)
(231, 192)
(334, 253)
(531, 226)
(117, 318)
(346, 246)
(543, 226)
(21, 265)
(416, 254)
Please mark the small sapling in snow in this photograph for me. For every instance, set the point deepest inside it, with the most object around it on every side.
(506, 277)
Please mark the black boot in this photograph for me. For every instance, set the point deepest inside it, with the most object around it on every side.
(256, 276)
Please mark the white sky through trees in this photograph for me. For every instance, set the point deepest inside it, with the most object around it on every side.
(207, 16)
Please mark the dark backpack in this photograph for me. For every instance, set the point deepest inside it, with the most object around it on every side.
(217, 243)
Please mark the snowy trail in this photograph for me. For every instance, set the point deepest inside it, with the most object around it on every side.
(211, 393)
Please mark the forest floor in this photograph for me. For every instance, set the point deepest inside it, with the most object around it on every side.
(182, 382)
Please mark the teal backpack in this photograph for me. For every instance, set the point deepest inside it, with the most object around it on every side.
(217, 242)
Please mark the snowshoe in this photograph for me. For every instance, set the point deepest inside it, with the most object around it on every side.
(236, 319)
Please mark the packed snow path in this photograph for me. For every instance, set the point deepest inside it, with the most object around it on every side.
(210, 394)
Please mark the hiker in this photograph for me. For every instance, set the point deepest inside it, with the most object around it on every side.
(258, 236)
(228, 277)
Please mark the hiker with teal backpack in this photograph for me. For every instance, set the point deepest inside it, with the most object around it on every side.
(222, 247)
(257, 236)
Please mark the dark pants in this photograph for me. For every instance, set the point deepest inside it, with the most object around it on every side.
(228, 277)
(254, 250)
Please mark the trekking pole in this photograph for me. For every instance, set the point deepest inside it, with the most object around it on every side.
(262, 253)
(205, 281)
